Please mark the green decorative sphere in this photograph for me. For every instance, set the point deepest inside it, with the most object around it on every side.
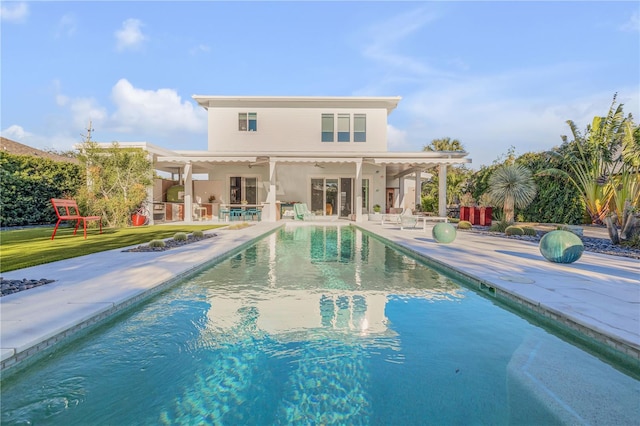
(444, 233)
(561, 247)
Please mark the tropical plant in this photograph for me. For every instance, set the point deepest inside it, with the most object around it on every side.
(197, 234)
(458, 176)
(511, 186)
(117, 181)
(625, 185)
(587, 160)
(444, 144)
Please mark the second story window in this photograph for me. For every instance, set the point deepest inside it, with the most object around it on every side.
(359, 127)
(344, 128)
(327, 127)
(248, 121)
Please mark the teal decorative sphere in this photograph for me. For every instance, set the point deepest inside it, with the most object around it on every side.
(561, 247)
(444, 233)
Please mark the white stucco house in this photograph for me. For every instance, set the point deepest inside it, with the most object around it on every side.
(273, 151)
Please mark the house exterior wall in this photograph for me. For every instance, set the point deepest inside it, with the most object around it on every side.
(291, 129)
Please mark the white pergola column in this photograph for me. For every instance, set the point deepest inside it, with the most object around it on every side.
(418, 197)
(442, 190)
(271, 195)
(401, 192)
(188, 193)
(358, 189)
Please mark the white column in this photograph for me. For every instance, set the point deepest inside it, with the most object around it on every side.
(418, 196)
(358, 189)
(188, 193)
(271, 195)
(401, 192)
(150, 200)
(442, 190)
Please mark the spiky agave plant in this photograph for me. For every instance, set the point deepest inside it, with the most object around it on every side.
(512, 186)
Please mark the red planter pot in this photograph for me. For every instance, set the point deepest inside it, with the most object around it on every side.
(138, 219)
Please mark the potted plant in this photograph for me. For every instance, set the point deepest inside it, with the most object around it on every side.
(376, 212)
(212, 198)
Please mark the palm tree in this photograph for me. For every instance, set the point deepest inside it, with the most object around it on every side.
(512, 186)
(444, 144)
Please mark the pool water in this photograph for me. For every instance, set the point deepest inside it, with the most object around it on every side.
(320, 325)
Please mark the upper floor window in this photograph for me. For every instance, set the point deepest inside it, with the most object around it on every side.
(344, 128)
(327, 127)
(359, 127)
(248, 121)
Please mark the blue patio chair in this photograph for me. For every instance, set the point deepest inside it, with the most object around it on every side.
(237, 214)
(254, 213)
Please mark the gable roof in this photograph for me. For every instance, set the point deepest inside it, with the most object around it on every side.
(16, 148)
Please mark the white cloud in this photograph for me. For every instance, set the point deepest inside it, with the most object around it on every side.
(382, 39)
(201, 48)
(396, 139)
(14, 132)
(154, 111)
(633, 24)
(14, 12)
(59, 142)
(130, 36)
(85, 110)
(66, 26)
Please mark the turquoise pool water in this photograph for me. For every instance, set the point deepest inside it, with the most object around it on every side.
(320, 325)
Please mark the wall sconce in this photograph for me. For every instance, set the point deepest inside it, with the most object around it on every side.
(377, 171)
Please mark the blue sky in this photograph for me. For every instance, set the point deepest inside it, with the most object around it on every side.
(491, 74)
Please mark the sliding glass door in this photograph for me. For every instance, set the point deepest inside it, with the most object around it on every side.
(335, 196)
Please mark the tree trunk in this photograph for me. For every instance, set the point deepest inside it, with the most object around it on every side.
(628, 222)
(613, 231)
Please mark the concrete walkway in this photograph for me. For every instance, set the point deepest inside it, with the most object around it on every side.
(599, 295)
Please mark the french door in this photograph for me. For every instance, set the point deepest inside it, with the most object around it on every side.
(243, 189)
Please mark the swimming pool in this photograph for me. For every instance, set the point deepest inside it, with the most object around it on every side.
(320, 325)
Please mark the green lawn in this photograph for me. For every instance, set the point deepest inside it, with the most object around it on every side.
(22, 248)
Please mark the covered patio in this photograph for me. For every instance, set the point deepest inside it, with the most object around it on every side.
(341, 185)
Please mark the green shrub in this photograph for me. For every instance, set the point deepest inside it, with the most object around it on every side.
(464, 224)
(528, 230)
(513, 230)
(197, 234)
(180, 236)
(454, 220)
(499, 226)
(157, 243)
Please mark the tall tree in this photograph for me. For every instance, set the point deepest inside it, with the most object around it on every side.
(512, 186)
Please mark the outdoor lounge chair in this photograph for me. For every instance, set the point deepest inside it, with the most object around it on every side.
(302, 212)
(408, 219)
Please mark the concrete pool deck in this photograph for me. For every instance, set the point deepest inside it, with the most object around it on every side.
(599, 295)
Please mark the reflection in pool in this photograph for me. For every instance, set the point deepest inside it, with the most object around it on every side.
(320, 325)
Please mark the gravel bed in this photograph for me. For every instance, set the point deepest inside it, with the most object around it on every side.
(595, 245)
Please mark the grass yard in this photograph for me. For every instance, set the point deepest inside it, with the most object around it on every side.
(22, 248)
